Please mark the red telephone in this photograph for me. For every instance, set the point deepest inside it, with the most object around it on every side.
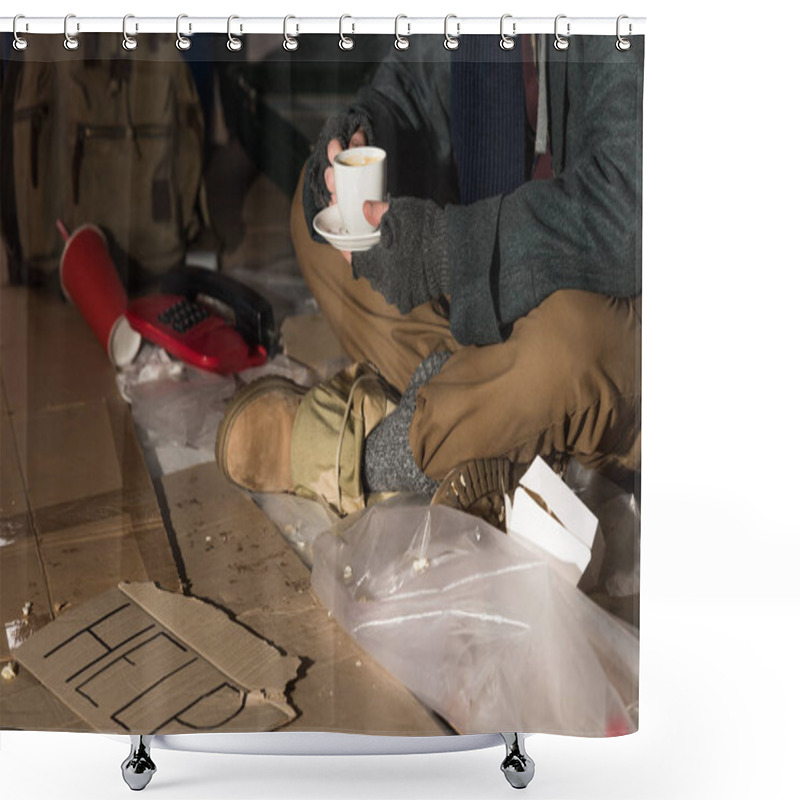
(193, 331)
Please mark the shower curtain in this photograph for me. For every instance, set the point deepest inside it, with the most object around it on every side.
(321, 383)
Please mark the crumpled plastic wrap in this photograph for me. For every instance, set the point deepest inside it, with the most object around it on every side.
(178, 408)
(283, 367)
(477, 624)
(172, 403)
(299, 520)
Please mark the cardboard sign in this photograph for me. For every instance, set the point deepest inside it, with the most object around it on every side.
(140, 660)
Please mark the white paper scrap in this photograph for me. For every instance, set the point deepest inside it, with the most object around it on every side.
(566, 528)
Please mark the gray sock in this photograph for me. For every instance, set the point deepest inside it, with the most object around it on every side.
(389, 464)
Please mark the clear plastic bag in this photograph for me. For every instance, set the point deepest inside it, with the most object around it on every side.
(618, 514)
(477, 624)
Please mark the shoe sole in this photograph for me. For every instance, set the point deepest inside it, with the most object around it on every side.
(478, 488)
(238, 403)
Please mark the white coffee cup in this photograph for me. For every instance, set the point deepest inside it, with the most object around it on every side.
(359, 174)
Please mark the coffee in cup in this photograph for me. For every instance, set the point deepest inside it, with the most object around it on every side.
(352, 159)
(359, 174)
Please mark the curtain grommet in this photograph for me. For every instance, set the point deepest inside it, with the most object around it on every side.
(20, 43)
(507, 42)
(622, 44)
(70, 42)
(182, 42)
(233, 44)
(290, 43)
(401, 42)
(561, 42)
(346, 42)
(128, 42)
(451, 42)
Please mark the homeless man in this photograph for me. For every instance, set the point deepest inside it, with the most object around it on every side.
(503, 299)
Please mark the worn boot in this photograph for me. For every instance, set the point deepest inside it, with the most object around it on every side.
(254, 439)
(279, 437)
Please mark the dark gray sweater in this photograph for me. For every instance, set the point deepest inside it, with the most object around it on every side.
(580, 230)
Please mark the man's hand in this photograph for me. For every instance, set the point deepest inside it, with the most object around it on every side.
(373, 213)
(358, 139)
(409, 265)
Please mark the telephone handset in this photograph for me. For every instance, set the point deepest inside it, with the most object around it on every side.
(184, 320)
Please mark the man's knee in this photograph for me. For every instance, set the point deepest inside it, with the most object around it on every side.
(585, 336)
(599, 341)
(581, 353)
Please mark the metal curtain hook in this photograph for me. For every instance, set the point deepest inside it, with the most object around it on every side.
(451, 42)
(234, 44)
(289, 42)
(623, 43)
(507, 42)
(182, 43)
(345, 42)
(400, 42)
(128, 42)
(70, 42)
(560, 42)
(19, 42)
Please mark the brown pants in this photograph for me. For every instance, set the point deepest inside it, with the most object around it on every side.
(567, 380)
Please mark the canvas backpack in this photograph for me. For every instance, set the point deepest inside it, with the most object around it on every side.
(105, 136)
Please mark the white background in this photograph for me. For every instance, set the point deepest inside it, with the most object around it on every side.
(720, 553)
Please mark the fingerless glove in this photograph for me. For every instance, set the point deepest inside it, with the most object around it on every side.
(410, 265)
(340, 126)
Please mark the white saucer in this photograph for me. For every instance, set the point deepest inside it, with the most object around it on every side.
(328, 224)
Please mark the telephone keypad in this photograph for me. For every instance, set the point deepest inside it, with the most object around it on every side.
(183, 315)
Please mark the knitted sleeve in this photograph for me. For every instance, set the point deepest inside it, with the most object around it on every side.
(581, 230)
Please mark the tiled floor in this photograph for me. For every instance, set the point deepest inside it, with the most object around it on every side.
(79, 513)
(76, 497)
